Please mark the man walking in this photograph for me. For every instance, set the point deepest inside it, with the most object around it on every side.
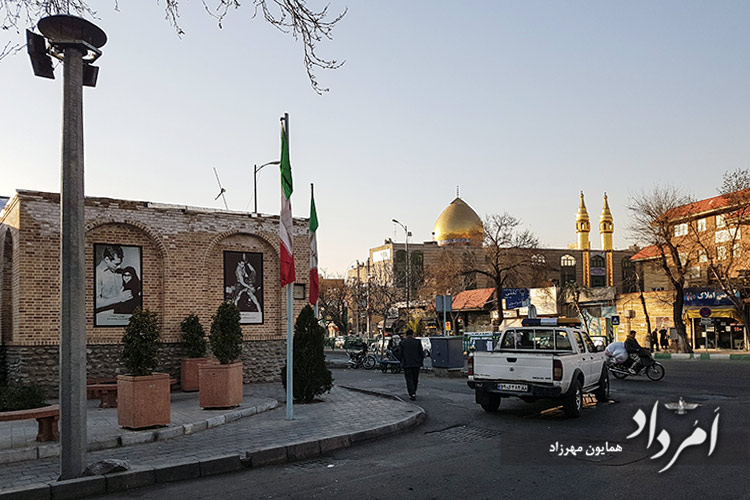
(411, 357)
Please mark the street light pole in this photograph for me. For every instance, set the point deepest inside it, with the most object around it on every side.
(76, 42)
(408, 265)
(256, 169)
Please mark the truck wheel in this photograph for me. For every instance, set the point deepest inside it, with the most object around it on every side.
(602, 393)
(492, 404)
(573, 401)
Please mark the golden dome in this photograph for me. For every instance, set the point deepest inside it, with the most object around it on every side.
(458, 225)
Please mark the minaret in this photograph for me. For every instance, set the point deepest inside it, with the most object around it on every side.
(582, 229)
(606, 228)
(582, 226)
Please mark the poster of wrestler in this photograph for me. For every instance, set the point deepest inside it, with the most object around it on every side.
(243, 284)
(117, 283)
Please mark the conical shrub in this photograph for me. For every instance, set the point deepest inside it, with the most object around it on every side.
(311, 376)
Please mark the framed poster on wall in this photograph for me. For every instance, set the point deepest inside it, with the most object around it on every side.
(118, 279)
(243, 284)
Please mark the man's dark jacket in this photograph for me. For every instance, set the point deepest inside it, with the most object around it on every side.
(412, 353)
(632, 345)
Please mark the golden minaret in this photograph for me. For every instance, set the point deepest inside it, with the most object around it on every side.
(606, 226)
(583, 226)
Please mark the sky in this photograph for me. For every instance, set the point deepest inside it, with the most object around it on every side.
(522, 104)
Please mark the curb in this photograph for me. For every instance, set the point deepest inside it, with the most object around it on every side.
(194, 469)
(703, 356)
(53, 450)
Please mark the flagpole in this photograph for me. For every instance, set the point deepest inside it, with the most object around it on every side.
(312, 197)
(289, 335)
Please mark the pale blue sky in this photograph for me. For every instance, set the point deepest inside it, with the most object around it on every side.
(523, 104)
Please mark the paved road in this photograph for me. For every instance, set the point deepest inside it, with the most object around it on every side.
(462, 452)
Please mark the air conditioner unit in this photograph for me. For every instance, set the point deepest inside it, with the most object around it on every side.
(629, 313)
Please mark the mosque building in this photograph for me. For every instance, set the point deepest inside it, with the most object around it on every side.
(458, 236)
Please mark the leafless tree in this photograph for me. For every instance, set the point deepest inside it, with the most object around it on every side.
(654, 215)
(333, 302)
(383, 293)
(507, 254)
(288, 16)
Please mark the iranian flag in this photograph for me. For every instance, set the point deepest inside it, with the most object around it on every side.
(285, 226)
(314, 285)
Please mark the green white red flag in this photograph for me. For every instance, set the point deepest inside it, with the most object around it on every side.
(314, 285)
(285, 225)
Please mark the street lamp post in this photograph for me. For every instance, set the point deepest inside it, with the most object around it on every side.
(76, 42)
(408, 265)
(256, 169)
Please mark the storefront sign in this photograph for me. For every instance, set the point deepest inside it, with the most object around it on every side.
(516, 297)
(696, 297)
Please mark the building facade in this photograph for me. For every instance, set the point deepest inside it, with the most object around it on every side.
(184, 259)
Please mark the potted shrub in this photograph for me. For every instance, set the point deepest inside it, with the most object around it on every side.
(221, 384)
(311, 376)
(142, 395)
(193, 338)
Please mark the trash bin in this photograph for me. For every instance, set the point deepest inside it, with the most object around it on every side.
(447, 352)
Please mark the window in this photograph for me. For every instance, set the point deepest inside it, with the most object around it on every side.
(598, 281)
(538, 260)
(736, 249)
(567, 269)
(577, 335)
(681, 229)
(562, 342)
(509, 341)
(544, 340)
(629, 283)
(597, 261)
(702, 256)
(567, 260)
(724, 235)
(683, 257)
(701, 224)
(720, 222)
(589, 343)
(721, 253)
(694, 272)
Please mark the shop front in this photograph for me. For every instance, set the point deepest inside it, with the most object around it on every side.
(714, 322)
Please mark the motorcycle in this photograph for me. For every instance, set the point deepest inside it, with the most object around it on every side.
(651, 368)
(361, 359)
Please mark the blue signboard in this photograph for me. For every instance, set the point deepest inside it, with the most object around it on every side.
(699, 297)
(516, 297)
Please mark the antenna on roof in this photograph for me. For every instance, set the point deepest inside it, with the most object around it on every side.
(457, 196)
(222, 190)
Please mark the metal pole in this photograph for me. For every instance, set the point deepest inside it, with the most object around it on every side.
(255, 188)
(73, 438)
(289, 334)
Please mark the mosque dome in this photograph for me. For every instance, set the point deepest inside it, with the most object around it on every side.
(458, 225)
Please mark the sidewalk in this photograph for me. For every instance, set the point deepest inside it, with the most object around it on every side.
(714, 354)
(343, 417)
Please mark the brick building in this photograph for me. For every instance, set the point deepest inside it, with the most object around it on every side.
(712, 245)
(183, 254)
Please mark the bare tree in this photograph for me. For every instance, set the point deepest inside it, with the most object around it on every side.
(288, 16)
(654, 215)
(333, 303)
(383, 293)
(507, 254)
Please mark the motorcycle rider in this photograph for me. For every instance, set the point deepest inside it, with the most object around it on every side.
(633, 347)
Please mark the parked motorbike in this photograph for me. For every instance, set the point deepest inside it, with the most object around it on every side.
(651, 368)
(361, 359)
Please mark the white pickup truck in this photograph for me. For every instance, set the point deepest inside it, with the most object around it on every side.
(540, 361)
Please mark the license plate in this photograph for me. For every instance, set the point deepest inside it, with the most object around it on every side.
(513, 387)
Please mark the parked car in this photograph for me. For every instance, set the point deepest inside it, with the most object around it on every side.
(339, 343)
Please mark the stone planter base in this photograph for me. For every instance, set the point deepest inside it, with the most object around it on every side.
(189, 373)
(220, 385)
(143, 401)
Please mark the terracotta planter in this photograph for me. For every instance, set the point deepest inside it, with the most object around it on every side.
(143, 401)
(220, 385)
(189, 373)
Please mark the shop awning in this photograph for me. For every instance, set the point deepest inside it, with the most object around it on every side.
(725, 312)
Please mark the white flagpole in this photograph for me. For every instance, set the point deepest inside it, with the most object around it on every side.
(289, 333)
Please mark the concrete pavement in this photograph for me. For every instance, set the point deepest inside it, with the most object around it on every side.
(343, 417)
